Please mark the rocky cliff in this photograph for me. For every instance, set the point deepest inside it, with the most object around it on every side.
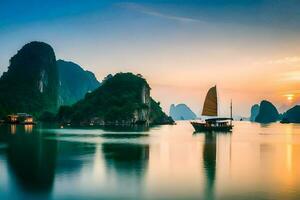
(121, 99)
(267, 113)
(254, 112)
(292, 115)
(74, 82)
(182, 112)
(31, 81)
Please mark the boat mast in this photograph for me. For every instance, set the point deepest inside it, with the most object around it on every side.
(231, 112)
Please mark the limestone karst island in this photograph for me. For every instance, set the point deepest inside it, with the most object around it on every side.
(61, 91)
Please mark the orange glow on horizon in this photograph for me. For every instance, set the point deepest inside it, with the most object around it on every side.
(290, 97)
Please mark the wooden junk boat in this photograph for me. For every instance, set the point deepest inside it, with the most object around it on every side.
(210, 108)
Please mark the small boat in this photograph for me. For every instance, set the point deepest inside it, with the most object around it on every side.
(210, 108)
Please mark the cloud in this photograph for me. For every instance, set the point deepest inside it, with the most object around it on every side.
(291, 76)
(282, 61)
(286, 60)
(147, 11)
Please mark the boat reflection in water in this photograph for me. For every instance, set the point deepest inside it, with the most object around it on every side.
(214, 142)
(209, 163)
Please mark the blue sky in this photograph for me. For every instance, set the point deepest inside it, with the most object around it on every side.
(172, 43)
(283, 13)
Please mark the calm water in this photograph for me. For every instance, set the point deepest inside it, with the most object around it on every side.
(165, 162)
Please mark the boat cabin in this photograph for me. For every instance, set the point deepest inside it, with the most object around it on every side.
(218, 122)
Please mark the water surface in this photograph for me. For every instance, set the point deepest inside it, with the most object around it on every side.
(164, 162)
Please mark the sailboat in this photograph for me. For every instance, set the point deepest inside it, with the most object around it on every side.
(210, 108)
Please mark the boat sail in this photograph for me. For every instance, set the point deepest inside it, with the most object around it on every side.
(210, 108)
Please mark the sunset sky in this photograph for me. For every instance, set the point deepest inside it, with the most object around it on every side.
(249, 48)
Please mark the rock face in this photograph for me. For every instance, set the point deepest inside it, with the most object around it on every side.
(292, 115)
(254, 112)
(182, 112)
(31, 82)
(267, 113)
(121, 99)
(74, 82)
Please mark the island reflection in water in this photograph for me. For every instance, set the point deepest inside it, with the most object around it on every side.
(164, 162)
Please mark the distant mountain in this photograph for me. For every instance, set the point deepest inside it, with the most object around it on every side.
(122, 99)
(182, 112)
(292, 115)
(267, 113)
(31, 82)
(74, 82)
(254, 112)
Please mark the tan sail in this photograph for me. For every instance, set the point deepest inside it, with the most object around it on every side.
(210, 107)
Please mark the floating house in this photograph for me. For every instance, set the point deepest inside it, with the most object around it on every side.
(20, 118)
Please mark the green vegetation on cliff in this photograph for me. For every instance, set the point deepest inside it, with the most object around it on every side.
(122, 98)
(31, 82)
(157, 116)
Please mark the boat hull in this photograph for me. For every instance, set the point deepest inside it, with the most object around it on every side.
(203, 127)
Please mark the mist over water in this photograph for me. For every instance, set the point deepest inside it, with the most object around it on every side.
(164, 162)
